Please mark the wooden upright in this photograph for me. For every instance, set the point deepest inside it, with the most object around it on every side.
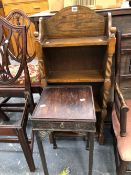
(78, 46)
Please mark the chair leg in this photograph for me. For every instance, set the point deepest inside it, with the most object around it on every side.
(54, 141)
(30, 98)
(40, 89)
(50, 138)
(32, 104)
(26, 149)
(87, 141)
(122, 168)
(32, 141)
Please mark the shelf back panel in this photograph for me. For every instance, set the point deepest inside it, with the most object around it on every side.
(75, 22)
(75, 58)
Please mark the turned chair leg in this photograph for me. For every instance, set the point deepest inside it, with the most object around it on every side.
(122, 168)
(26, 149)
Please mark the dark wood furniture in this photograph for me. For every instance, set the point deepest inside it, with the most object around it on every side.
(65, 108)
(121, 116)
(123, 63)
(13, 66)
(120, 19)
(29, 7)
(18, 17)
(121, 120)
(72, 45)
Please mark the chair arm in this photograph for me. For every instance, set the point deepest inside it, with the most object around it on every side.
(121, 108)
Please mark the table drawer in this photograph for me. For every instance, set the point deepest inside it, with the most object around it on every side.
(64, 125)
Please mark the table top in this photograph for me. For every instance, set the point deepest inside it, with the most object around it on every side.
(66, 103)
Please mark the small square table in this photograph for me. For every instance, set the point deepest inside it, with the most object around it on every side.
(65, 108)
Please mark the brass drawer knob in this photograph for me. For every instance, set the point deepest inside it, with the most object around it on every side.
(62, 125)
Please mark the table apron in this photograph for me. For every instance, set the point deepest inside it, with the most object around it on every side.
(64, 126)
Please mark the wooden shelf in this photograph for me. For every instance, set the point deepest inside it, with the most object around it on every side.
(73, 76)
(85, 41)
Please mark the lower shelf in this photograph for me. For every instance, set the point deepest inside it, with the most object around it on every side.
(74, 76)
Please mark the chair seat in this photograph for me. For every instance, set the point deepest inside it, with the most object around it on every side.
(123, 143)
(34, 73)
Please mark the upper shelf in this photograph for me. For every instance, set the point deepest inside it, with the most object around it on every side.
(84, 41)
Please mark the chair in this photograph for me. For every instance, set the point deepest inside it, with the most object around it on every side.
(15, 83)
(121, 120)
(18, 17)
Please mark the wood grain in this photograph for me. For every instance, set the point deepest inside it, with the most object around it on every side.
(85, 41)
(78, 46)
(72, 76)
(66, 103)
(75, 23)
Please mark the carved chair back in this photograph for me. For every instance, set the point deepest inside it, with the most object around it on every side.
(18, 18)
(7, 58)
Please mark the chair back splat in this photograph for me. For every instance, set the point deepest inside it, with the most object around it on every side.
(18, 18)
